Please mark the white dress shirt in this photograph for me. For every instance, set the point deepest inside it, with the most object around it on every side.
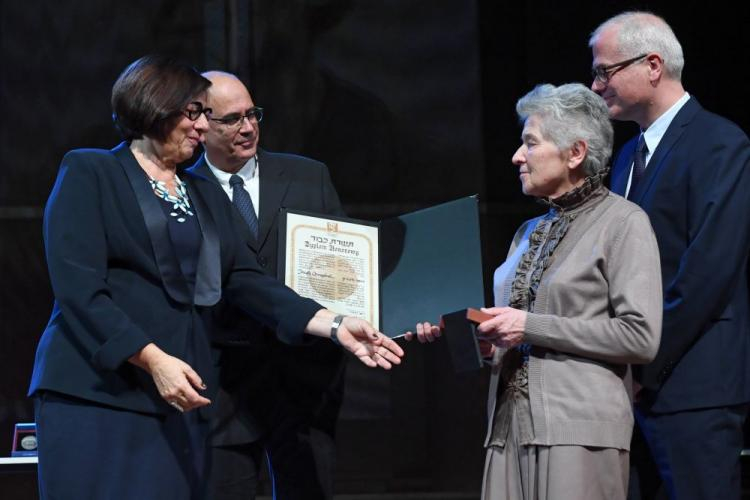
(656, 131)
(249, 173)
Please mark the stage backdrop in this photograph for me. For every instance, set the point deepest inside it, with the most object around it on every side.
(409, 103)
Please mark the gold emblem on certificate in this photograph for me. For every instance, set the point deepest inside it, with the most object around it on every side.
(333, 277)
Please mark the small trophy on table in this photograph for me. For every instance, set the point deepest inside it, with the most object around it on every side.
(24, 440)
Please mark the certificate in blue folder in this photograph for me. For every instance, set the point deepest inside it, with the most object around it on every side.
(428, 262)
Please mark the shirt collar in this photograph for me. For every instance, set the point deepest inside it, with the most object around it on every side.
(248, 171)
(656, 131)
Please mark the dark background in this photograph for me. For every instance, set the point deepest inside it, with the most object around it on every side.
(410, 103)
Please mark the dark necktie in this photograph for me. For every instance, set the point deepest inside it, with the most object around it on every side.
(639, 164)
(244, 204)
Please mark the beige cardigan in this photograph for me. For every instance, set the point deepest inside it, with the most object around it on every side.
(598, 308)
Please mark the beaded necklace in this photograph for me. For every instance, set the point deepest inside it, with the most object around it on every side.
(180, 201)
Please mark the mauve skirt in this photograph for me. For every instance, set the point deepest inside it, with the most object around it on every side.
(531, 472)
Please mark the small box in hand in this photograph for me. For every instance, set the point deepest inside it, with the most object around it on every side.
(459, 329)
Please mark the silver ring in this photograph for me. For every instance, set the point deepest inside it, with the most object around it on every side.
(177, 406)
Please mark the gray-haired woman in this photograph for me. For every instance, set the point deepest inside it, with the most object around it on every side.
(577, 300)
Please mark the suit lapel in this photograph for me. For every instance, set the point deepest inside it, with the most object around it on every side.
(201, 170)
(156, 224)
(208, 273)
(274, 183)
(621, 171)
(657, 161)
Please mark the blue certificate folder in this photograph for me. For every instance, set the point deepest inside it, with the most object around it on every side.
(430, 263)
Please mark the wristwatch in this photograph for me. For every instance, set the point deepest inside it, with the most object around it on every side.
(335, 328)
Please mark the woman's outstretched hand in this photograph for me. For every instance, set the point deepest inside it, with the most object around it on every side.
(371, 347)
(358, 337)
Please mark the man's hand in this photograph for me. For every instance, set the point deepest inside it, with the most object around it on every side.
(426, 332)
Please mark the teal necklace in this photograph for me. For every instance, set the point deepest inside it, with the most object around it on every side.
(180, 202)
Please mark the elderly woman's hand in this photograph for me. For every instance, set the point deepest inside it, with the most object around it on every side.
(176, 380)
(486, 349)
(426, 332)
(505, 329)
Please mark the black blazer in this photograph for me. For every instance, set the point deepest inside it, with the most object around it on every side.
(118, 285)
(695, 191)
(266, 381)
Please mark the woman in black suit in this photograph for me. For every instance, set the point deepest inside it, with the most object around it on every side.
(136, 255)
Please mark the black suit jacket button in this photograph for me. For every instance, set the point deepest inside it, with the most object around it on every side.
(263, 261)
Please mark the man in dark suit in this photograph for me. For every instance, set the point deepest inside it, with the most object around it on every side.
(690, 171)
(276, 402)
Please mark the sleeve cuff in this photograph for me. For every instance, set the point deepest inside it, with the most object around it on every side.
(291, 329)
(118, 349)
(537, 326)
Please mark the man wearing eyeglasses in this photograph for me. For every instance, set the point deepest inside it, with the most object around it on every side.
(689, 169)
(277, 404)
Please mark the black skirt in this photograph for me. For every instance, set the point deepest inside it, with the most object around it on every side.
(88, 450)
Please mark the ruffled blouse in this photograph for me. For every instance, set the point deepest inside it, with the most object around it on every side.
(513, 391)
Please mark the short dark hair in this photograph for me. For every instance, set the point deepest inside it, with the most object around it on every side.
(149, 92)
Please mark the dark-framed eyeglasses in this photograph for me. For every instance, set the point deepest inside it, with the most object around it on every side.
(232, 120)
(605, 73)
(195, 109)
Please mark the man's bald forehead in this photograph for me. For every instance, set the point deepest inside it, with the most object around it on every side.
(225, 85)
(219, 75)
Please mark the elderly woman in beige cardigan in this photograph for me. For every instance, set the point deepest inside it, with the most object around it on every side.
(577, 301)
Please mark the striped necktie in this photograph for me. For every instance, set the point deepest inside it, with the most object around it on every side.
(244, 203)
(639, 164)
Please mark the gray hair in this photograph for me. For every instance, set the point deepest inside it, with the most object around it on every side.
(570, 113)
(643, 32)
